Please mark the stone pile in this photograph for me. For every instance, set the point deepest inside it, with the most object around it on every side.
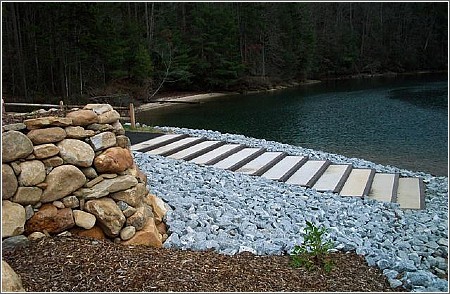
(76, 174)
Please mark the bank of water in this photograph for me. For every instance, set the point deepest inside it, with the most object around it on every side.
(400, 121)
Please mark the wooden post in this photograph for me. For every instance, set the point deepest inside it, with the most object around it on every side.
(61, 105)
(3, 107)
(132, 117)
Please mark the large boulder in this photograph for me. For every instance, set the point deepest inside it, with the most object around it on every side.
(51, 220)
(53, 161)
(45, 151)
(42, 122)
(83, 117)
(108, 214)
(15, 145)
(99, 108)
(49, 135)
(27, 195)
(61, 182)
(13, 219)
(149, 236)
(132, 196)
(107, 186)
(103, 141)
(84, 219)
(78, 132)
(113, 160)
(11, 282)
(76, 152)
(108, 117)
(32, 173)
(9, 182)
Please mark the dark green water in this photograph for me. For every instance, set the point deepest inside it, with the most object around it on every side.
(400, 121)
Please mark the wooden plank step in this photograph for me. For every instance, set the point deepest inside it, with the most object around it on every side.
(217, 154)
(262, 163)
(410, 193)
(333, 178)
(358, 183)
(239, 158)
(196, 150)
(175, 146)
(282, 170)
(384, 187)
(157, 142)
(308, 173)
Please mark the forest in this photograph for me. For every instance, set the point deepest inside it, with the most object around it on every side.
(55, 51)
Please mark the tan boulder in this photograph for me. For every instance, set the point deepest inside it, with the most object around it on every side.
(132, 196)
(50, 219)
(53, 161)
(106, 187)
(127, 233)
(84, 219)
(123, 141)
(42, 122)
(15, 145)
(45, 151)
(49, 135)
(76, 152)
(61, 182)
(148, 236)
(13, 219)
(14, 127)
(97, 128)
(71, 201)
(33, 173)
(103, 140)
(99, 108)
(83, 117)
(113, 160)
(118, 128)
(78, 133)
(11, 281)
(9, 182)
(27, 195)
(36, 236)
(159, 207)
(108, 214)
(108, 117)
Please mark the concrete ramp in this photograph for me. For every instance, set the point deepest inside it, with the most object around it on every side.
(239, 158)
(196, 150)
(262, 163)
(410, 193)
(358, 183)
(217, 154)
(333, 178)
(308, 173)
(175, 146)
(157, 142)
(284, 168)
(384, 187)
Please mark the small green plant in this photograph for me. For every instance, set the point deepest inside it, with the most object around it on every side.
(313, 252)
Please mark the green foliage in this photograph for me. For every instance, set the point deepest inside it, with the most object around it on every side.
(313, 252)
(141, 68)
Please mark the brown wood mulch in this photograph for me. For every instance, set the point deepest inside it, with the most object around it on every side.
(79, 264)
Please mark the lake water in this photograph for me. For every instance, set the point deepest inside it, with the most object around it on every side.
(401, 121)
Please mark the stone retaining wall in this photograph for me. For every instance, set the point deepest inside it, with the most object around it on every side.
(77, 174)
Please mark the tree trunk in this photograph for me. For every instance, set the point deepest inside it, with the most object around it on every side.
(17, 38)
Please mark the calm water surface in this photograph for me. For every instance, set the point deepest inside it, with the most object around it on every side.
(399, 121)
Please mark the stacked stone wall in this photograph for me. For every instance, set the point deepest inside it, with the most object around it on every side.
(76, 174)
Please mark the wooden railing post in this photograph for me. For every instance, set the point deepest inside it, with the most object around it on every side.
(3, 106)
(132, 117)
(61, 105)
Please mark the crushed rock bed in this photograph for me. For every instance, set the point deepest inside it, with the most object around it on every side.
(77, 264)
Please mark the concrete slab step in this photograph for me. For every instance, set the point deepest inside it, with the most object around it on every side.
(410, 193)
(157, 142)
(384, 187)
(333, 178)
(175, 146)
(282, 170)
(261, 164)
(238, 159)
(358, 183)
(308, 173)
(196, 150)
(217, 154)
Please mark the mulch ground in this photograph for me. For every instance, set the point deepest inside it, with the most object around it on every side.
(78, 264)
